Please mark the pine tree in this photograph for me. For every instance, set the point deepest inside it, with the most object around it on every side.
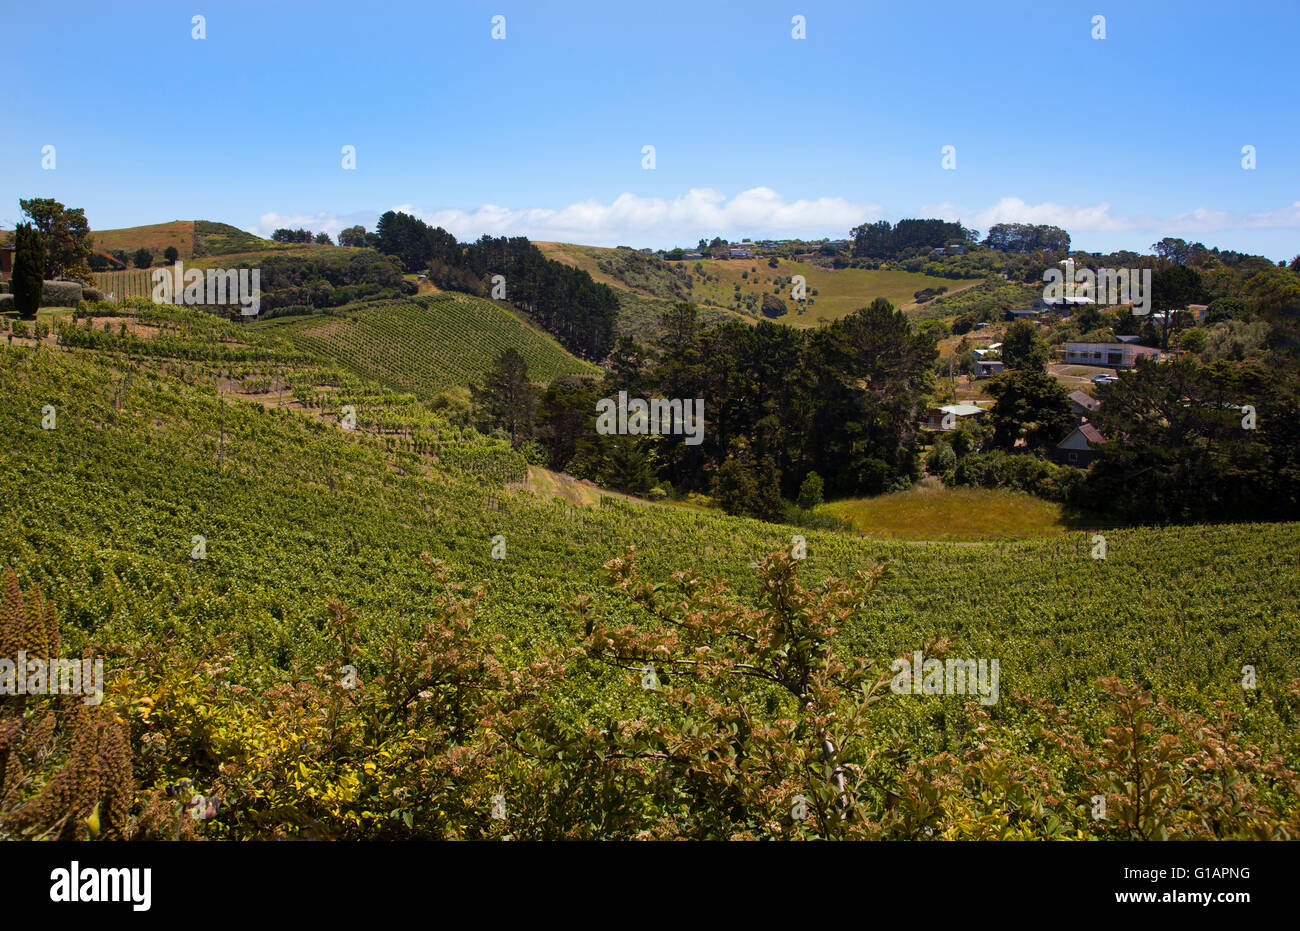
(507, 398)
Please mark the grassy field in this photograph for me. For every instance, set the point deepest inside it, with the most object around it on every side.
(713, 284)
(155, 237)
(837, 292)
(929, 511)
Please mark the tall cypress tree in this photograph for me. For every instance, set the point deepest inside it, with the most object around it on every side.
(29, 270)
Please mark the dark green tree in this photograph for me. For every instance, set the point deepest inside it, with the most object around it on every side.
(1172, 289)
(745, 487)
(65, 236)
(1182, 447)
(171, 255)
(29, 270)
(1031, 406)
(1023, 348)
(143, 258)
(354, 236)
(507, 399)
(629, 463)
(810, 492)
(566, 417)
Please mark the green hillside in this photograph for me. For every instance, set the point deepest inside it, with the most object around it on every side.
(223, 668)
(425, 344)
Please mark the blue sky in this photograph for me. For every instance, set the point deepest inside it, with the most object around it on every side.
(756, 134)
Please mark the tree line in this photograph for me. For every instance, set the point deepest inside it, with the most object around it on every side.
(883, 240)
(787, 413)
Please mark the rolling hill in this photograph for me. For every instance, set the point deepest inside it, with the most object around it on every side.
(425, 344)
(734, 288)
(192, 238)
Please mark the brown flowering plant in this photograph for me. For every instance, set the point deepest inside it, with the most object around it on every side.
(761, 725)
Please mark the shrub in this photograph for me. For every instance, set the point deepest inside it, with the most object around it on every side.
(810, 492)
(61, 293)
(773, 306)
(1017, 471)
(941, 459)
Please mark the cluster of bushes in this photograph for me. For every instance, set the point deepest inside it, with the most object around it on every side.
(998, 469)
(926, 294)
(325, 280)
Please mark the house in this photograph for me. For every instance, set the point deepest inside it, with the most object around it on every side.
(1200, 312)
(1111, 355)
(1079, 447)
(956, 249)
(987, 367)
(949, 416)
(1083, 405)
(691, 256)
(1028, 314)
(1065, 306)
(6, 261)
(741, 252)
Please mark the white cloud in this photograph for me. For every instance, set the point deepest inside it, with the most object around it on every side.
(1098, 218)
(1015, 210)
(631, 218)
(1281, 218)
(322, 222)
(759, 212)
(628, 219)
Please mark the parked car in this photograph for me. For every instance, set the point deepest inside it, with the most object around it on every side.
(1104, 379)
